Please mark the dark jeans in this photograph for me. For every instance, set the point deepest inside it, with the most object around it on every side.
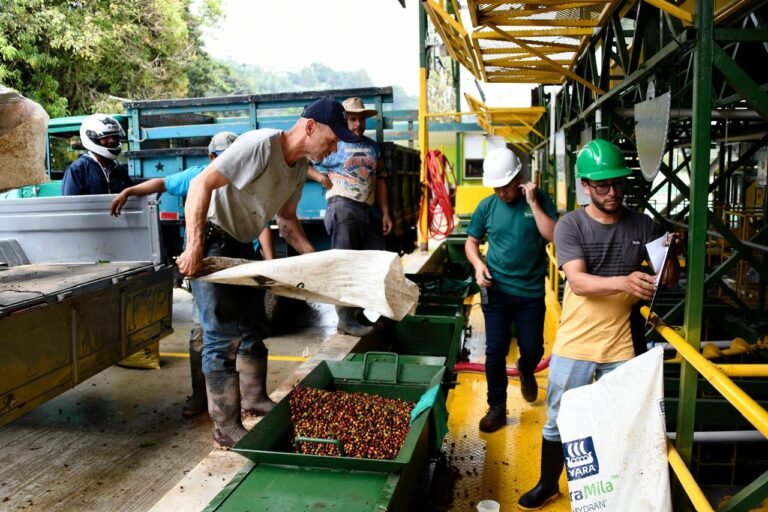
(352, 226)
(233, 318)
(528, 316)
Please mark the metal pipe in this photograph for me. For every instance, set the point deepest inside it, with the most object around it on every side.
(692, 489)
(744, 370)
(724, 436)
(745, 404)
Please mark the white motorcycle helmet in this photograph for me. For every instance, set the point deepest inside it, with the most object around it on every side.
(500, 167)
(96, 127)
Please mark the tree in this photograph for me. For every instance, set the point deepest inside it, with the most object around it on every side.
(82, 56)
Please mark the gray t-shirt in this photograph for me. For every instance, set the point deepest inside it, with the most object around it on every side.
(608, 249)
(261, 183)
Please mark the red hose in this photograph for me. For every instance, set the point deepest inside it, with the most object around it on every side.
(511, 372)
(440, 183)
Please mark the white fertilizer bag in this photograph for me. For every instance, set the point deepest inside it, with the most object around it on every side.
(614, 439)
(373, 280)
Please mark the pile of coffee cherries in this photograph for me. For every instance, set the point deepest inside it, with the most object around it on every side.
(367, 426)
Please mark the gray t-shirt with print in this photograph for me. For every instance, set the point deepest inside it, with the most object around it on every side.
(608, 249)
(261, 183)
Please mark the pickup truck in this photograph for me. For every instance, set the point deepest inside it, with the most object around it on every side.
(79, 291)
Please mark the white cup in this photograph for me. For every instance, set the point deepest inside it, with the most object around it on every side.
(488, 506)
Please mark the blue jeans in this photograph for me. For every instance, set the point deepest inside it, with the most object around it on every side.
(232, 317)
(351, 225)
(565, 374)
(528, 316)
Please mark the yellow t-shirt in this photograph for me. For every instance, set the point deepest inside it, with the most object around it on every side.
(595, 328)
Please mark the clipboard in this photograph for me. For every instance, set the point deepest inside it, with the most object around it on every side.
(650, 324)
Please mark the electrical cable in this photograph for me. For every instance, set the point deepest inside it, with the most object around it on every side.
(440, 183)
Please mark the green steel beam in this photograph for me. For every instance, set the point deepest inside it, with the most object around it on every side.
(715, 277)
(750, 497)
(697, 233)
(646, 69)
(732, 35)
(740, 81)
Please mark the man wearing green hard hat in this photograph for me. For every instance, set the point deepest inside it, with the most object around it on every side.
(601, 248)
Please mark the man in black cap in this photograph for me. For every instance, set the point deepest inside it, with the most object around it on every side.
(265, 170)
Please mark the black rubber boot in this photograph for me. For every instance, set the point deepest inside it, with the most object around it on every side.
(528, 387)
(548, 487)
(224, 406)
(254, 399)
(494, 419)
(198, 402)
(349, 324)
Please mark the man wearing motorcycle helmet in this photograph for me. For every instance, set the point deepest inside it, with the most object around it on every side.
(97, 171)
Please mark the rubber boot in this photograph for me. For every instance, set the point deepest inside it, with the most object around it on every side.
(254, 399)
(224, 407)
(198, 402)
(548, 487)
(348, 324)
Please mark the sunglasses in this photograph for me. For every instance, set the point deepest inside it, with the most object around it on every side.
(603, 188)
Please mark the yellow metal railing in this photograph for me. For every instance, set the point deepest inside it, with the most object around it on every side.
(684, 476)
(745, 404)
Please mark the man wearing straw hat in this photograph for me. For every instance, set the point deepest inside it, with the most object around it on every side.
(357, 173)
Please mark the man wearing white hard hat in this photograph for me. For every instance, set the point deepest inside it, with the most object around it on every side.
(518, 221)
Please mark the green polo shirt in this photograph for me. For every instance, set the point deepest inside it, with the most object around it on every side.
(516, 256)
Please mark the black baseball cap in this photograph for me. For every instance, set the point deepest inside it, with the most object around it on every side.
(329, 111)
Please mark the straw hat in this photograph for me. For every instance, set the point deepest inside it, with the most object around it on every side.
(356, 106)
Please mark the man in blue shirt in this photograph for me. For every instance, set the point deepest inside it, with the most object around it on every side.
(97, 172)
(518, 220)
(178, 185)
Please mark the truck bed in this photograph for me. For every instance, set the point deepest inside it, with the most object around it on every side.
(26, 286)
(79, 291)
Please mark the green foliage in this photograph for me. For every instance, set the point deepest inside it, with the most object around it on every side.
(82, 56)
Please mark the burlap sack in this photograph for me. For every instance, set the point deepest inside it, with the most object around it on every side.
(373, 280)
(23, 124)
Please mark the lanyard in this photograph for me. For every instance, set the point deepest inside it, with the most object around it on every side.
(104, 170)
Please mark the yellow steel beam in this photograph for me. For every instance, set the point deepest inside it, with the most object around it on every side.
(684, 476)
(554, 66)
(744, 403)
(553, 32)
(542, 9)
(535, 2)
(672, 10)
(512, 22)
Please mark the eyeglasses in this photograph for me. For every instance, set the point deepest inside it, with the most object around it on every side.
(603, 188)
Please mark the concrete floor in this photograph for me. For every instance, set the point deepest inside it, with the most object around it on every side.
(118, 441)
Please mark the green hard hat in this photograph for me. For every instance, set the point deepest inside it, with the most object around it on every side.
(601, 160)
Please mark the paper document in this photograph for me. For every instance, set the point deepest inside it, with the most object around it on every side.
(657, 254)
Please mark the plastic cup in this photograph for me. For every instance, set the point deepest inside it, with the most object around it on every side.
(488, 506)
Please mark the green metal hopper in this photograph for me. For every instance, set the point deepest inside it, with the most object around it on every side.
(269, 441)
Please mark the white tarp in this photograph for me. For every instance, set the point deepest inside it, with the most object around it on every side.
(614, 439)
(373, 280)
(23, 125)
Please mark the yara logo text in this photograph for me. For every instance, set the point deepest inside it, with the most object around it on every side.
(581, 459)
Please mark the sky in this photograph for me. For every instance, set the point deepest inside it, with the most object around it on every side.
(347, 35)
(379, 36)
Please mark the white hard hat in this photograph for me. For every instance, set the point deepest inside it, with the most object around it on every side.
(500, 167)
(96, 127)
